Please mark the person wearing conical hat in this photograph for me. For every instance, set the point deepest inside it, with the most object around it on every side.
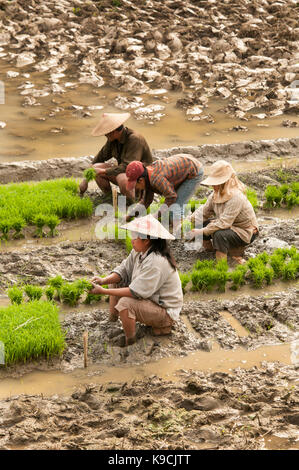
(124, 145)
(146, 286)
(229, 221)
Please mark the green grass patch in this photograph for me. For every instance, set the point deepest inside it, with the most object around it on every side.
(31, 330)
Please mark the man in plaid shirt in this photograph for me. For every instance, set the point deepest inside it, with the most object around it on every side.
(175, 178)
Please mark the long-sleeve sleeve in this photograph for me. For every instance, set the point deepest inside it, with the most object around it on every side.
(164, 187)
(203, 213)
(231, 210)
(125, 269)
(133, 151)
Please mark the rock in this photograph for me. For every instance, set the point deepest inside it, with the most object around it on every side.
(26, 58)
(274, 243)
(288, 123)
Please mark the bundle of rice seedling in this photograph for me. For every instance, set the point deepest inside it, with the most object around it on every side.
(89, 174)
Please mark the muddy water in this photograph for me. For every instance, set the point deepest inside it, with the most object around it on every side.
(217, 360)
(53, 128)
(85, 230)
(80, 230)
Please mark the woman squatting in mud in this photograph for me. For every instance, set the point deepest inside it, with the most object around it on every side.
(146, 286)
(228, 220)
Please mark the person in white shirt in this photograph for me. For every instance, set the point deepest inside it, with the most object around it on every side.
(148, 287)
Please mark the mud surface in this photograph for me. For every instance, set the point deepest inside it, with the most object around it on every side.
(249, 151)
(199, 411)
(246, 55)
(238, 408)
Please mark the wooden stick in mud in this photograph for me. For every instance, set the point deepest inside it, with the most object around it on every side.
(114, 198)
(85, 344)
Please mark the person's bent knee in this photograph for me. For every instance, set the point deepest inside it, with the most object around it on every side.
(220, 242)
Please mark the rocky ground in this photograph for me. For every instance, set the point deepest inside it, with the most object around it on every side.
(245, 54)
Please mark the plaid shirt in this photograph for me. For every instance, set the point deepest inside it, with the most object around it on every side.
(132, 146)
(169, 174)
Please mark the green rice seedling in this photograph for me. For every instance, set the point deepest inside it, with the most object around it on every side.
(82, 285)
(33, 292)
(289, 271)
(295, 188)
(293, 253)
(57, 283)
(238, 276)
(186, 226)
(263, 257)
(27, 201)
(90, 174)
(291, 200)
(258, 275)
(185, 279)
(277, 262)
(252, 198)
(204, 264)
(52, 221)
(15, 295)
(40, 221)
(253, 263)
(273, 196)
(269, 275)
(5, 226)
(222, 277)
(284, 188)
(31, 330)
(49, 293)
(128, 242)
(222, 274)
(193, 204)
(204, 280)
(282, 176)
(222, 265)
(18, 224)
(70, 293)
(92, 298)
(282, 252)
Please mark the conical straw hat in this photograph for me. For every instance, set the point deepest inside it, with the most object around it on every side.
(109, 122)
(148, 225)
(221, 171)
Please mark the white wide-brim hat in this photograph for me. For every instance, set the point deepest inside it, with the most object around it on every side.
(109, 122)
(148, 225)
(220, 172)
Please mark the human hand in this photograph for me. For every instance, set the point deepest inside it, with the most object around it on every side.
(96, 289)
(193, 233)
(100, 171)
(97, 280)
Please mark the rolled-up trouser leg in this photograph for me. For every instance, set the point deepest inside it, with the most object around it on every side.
(146, 312)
